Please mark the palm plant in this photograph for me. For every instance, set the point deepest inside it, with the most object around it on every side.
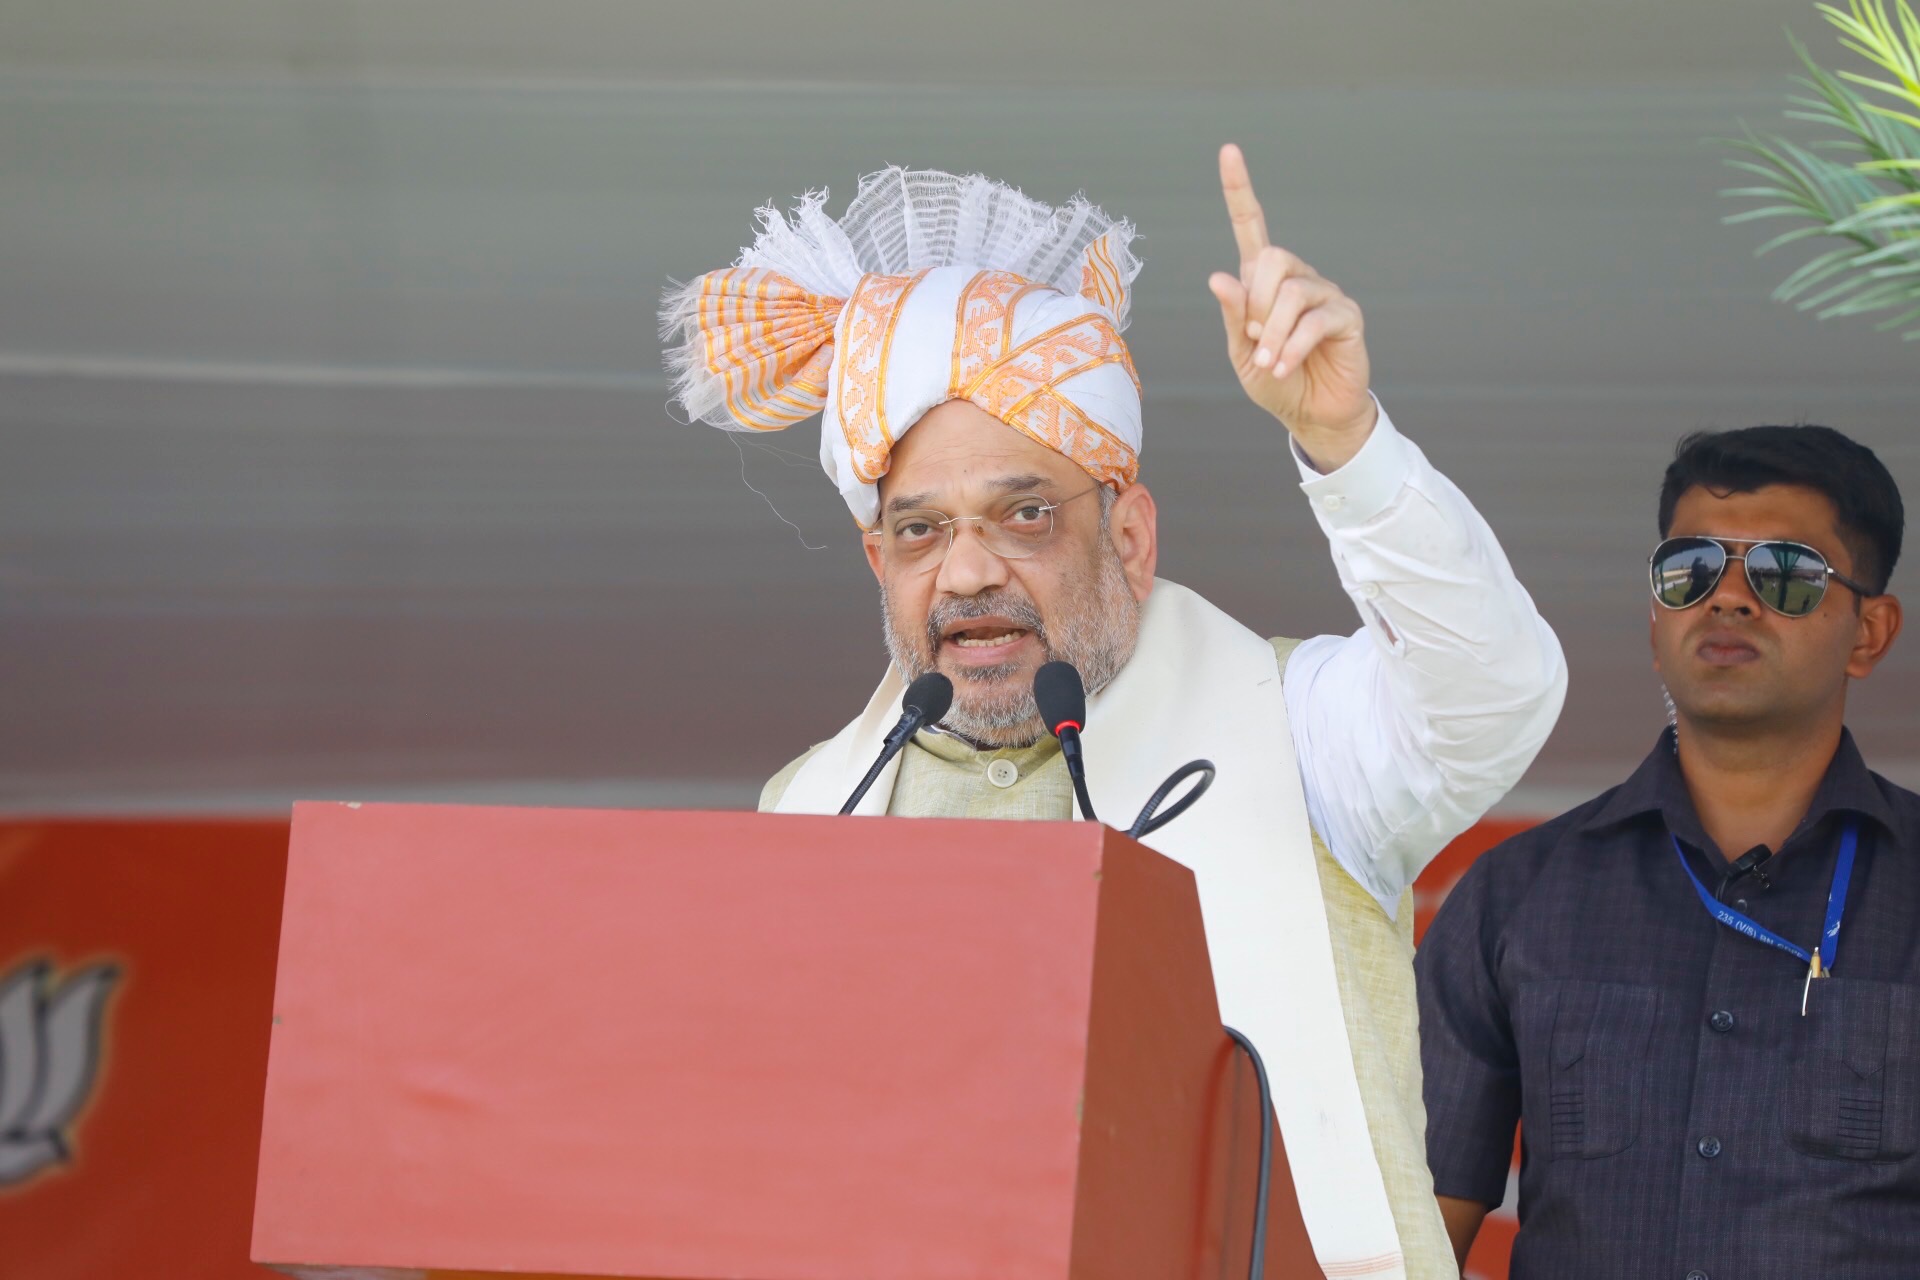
(1860, 185)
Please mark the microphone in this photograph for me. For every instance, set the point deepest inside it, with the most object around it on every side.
(1751, 861)
(924, 702)
(1062, 699)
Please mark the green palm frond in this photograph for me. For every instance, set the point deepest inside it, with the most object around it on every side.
(1858, 183)
(1868, 31)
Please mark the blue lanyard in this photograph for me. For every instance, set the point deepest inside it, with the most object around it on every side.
(1836, 907)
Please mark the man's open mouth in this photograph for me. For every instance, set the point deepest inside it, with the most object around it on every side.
(985, 637)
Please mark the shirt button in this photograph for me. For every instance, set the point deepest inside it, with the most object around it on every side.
(1696, 1274)
(1722, 1020)
(1371, 590)
(1740, 904)
(1709, 1147)
(1002, 773)
(1333, 501)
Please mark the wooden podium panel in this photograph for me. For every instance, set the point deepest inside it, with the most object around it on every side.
(687, 1046)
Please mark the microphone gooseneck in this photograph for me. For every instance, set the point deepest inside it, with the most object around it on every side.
(1061, 697)
(924, 702)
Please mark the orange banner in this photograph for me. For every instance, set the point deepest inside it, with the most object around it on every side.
(136, 986)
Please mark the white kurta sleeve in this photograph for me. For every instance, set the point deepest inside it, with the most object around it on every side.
(1411, 728)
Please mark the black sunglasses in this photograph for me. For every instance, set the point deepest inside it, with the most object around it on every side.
(1789, 578)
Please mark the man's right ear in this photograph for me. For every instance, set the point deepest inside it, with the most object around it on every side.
(870, 543)
(1133, 524)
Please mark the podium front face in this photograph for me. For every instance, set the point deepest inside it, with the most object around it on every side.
(688, 1046)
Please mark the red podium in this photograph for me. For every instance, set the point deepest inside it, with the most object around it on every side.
(705, 1046)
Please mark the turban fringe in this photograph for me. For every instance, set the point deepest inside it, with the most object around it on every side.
(790, 331)
(763, 348)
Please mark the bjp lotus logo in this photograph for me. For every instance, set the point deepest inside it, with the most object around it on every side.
(49, 1055)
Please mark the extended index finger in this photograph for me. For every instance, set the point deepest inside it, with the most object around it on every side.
(1243, 208)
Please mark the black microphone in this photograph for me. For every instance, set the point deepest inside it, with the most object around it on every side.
(1751, 861)
(924, 702)
(1062, 700)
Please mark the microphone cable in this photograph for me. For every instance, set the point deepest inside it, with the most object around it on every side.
(1257, 1259)
(1150, 820)
(1061, 697)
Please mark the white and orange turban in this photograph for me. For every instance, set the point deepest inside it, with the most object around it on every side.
(932, 287)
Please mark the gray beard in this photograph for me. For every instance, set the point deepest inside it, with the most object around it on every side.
(1096, 630)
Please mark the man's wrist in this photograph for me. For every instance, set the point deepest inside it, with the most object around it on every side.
(1365, 485)
(1328, 447)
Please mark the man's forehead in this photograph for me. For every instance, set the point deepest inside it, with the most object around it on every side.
(1774, 511)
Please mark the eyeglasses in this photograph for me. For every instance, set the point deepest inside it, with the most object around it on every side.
(1013, 528)
(1789, 578)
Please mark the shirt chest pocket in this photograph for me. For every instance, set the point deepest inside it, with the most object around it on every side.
(1854, 1085)
(1586, 1064)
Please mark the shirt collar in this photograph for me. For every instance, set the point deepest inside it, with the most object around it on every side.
(957, 751)
(1657, 786)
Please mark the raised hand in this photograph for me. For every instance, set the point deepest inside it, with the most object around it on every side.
(1297, 343)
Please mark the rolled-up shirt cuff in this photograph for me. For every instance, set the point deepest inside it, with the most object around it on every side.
(1366, 485)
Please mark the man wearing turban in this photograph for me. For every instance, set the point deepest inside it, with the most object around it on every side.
(982, 418)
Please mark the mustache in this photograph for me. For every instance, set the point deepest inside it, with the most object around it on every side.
(1018, 610)
(1749, 630)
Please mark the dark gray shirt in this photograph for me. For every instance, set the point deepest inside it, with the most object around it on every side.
(1680, 1117)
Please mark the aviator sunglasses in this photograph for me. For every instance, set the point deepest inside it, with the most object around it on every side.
(1789, 578)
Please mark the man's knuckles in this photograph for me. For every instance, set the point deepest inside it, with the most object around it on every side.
(1297, 293)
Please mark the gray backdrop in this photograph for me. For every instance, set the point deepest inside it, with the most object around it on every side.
(333, 455)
